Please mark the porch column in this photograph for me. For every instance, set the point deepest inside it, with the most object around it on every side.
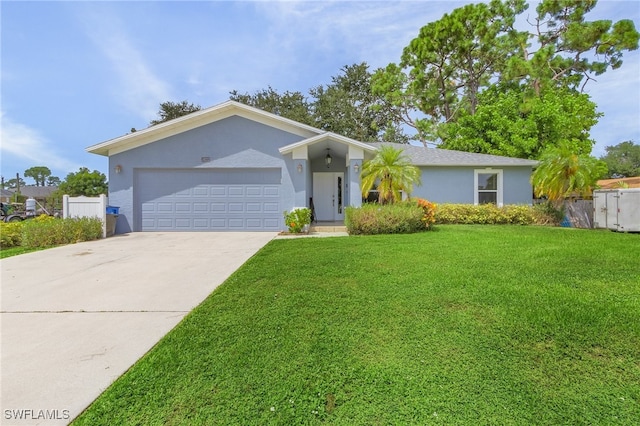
(355, 158)
(302, 176)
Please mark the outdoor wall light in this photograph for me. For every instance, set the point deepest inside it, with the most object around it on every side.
(118, 168)
(327, 159)
(356, 167)
(299, 167)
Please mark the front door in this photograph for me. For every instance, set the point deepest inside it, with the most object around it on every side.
(328, 196)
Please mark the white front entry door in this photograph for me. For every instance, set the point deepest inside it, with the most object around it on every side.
(328, 196)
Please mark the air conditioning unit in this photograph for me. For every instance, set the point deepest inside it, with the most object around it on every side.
(617, 209)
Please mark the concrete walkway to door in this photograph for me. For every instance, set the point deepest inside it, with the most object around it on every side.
(75, 318)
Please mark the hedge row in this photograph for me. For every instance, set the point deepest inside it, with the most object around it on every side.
(419, 215)
(490, 214)
(46, 231)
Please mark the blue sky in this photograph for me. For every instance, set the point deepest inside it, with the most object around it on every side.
(74, 74)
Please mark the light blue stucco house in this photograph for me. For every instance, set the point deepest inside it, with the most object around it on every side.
(232, 167)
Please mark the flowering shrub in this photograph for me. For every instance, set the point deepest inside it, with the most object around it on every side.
(297, 219)
(429, 212)
(491, 214)
(10, 234)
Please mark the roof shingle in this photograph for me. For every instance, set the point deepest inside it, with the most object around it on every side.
(421, 156)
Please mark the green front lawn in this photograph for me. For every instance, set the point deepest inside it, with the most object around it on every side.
(464, 325)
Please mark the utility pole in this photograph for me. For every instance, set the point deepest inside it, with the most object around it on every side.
(17, 186)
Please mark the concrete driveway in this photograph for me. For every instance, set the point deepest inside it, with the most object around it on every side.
(75, 318)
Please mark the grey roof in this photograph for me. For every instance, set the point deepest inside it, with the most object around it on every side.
(37, 191)
(421, 156)
(6, 192)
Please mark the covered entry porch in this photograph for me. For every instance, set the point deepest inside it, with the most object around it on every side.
(326, 175)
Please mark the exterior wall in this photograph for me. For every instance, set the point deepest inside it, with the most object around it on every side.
(229, 143)
(456, 184)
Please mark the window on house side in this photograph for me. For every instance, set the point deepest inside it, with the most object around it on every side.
(488, 186)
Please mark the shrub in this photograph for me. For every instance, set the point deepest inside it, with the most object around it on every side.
(296, 219)
(46, 231)
(398, 218)
(547, 214)
(10, 234)
(429, 211)
(492, 214)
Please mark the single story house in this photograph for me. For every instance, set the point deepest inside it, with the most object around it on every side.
(6, 196)
(232, 167)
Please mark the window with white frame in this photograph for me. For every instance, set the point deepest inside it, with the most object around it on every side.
(488, 186)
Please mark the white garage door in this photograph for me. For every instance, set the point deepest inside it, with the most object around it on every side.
(209, 200)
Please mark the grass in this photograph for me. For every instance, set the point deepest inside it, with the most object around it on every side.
(465, 325)
(14, 251)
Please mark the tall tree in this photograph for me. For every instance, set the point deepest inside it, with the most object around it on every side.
(171, 110)
(292, 105)
(345, 106)
(39, 174)
(509, 122)
(562, 173)
(53, 181)
(348, 107)
(569, 50)
(442, 70)
(392, 171)
(623, 160)
(15, 183)
(84, 182)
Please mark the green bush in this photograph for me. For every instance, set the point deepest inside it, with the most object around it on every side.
(492, 214)
(297, 219)
(10, 234)
(46, 231)
(398, 218)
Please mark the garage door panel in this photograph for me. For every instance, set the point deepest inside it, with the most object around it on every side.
(271, 208)
(188, 200)
(218, 207)
(218, 191)
(235, 191)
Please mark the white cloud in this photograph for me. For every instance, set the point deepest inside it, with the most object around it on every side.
(28, 144)
(137, 87)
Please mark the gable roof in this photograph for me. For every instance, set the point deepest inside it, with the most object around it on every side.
(37, 191)
(198, 119)
(421, 156)
(327, 136)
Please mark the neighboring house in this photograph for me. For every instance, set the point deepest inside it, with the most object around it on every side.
(6, 196)
(40, 193)
(234, 167)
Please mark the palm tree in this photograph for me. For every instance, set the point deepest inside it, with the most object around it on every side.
(564, 174)
(393, 172)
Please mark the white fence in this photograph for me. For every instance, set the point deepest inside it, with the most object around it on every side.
(86, 207)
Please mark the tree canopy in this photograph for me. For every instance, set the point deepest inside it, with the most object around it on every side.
(346, 106)
(623, 160)
(509, 123)
(39, 174)
(443, 72)
(84, 182)
(171, 110)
